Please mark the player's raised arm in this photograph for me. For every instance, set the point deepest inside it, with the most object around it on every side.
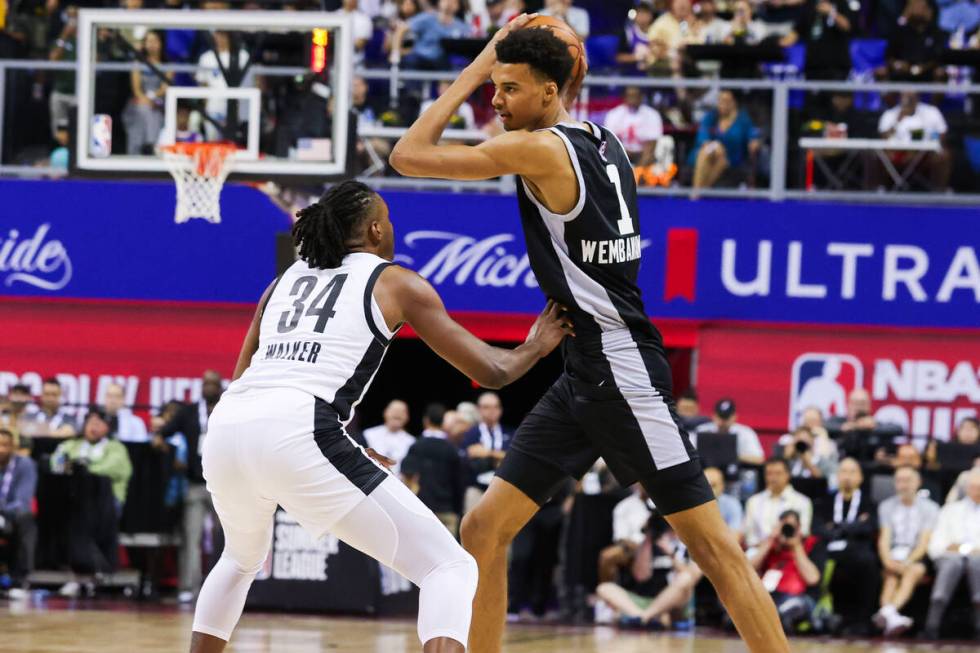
(405, 296)
(419, 154)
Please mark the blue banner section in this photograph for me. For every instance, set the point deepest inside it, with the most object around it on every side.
(788, 262)
(116, 240)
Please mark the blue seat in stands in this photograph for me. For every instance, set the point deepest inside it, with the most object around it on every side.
(790, 68)
(866, 56)
(374, 50)
(972, 146)
(601, 51)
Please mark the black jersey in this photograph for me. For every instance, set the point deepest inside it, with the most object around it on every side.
(588, 259)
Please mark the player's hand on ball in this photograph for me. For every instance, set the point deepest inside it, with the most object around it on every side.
(383, 460)
(552, 325)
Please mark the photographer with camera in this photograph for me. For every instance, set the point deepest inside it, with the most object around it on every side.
(804, 458)
(848, 523)
(763, 510)
(18, 481)
(95, 453)
(785, 560)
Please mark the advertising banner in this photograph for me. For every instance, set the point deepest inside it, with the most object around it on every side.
(924, 383)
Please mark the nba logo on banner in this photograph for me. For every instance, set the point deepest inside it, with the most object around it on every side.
(823, 381)
(100, 140)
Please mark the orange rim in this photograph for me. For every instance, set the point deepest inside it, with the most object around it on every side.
(208, 157)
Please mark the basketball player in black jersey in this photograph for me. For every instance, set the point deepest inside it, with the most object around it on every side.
(577, 200)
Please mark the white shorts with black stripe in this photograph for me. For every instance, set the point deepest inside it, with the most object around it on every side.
(280, 446)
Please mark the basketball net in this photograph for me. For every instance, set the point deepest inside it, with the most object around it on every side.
(199, 170)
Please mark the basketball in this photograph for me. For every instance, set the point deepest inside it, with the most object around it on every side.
(575, 47)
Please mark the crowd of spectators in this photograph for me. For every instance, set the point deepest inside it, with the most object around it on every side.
(853, 526)
(702, 139)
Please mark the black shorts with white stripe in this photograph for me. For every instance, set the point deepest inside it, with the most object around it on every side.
(632, 430)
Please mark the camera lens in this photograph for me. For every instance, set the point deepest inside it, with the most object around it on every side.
(788, 530)
(802, 447)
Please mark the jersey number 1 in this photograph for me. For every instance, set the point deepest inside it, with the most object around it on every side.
(321, 306)
(625, 222)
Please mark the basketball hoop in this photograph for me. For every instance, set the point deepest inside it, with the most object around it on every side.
(199, 170)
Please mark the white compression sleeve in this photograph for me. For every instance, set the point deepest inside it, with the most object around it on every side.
(393, 526)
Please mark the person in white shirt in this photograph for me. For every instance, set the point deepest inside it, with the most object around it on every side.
(725, 420)
(390, 439)
(637, 125)
(576, 17)
(714, 28)
(906, 522)
(128, 427)
(362, 28)
(743, 29)
(762, 510)
(911, 120)
(955, 550)
(630, 517)
(209, 74)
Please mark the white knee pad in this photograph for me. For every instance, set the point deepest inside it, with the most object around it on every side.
(446, 599)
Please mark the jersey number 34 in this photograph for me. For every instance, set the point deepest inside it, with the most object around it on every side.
(321, 307)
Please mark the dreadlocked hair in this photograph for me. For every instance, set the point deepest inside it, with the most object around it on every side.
(323, 230)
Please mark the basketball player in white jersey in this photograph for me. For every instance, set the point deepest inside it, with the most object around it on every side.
(278, 437)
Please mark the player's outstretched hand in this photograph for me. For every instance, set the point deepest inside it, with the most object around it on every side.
(384, 460)
(552, 325)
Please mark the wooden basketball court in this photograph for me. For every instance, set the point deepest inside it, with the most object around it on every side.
(62, 627)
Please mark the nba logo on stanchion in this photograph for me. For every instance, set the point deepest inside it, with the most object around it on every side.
(823, 381)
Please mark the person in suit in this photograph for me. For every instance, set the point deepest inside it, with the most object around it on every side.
(848, 522)
(485, 445)
(18, 482)
(192, 421)
(433, 469)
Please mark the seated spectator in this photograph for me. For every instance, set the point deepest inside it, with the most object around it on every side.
(669, 34)
(485, 445)
(634, 42)
(432, 468)
(661, 581)
(762, 510)
(864, 437)
(390, 439)
(715, 29)
(630, 517)
(576, 17)
(915, 46)
(52, 419)
(725, 421)
(143, 115)
(95, 453)
(18, 482)
(19, 417)
(462, 119)
(789, 568)
(825, 27)
(780, 15)
(124, 426)
(61, 154)
(906, 522)
(823, 444)
(959, 16)
(966, 440)
(744, 29)
(210, 74)
(805, 461)
(62, 100)
(912, 120)
(848, 522)
(361, 27)
(639, 128)
(427, 30)
(689, 410)
(955, 551)
(727, 142)
(730, 507)
(402, 12)
(838, 118)
(177, 485)
(497, 14)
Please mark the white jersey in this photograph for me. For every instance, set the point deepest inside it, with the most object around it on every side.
(322, 332)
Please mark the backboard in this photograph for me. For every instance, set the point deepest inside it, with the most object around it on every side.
(284, 100)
